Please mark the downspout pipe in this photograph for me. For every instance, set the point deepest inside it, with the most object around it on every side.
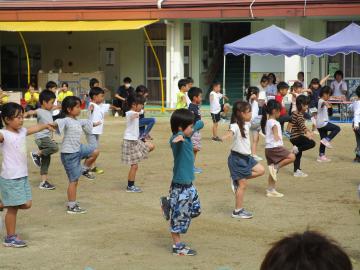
(159, 3)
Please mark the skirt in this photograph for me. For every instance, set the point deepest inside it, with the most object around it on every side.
(276, 154)
(134, 151)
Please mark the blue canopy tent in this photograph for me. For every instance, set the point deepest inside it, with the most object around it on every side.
(269, 41)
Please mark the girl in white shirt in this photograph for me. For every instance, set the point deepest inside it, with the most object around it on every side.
(338, 86)
(277, 155)
(241, 164)
(356, 123)
(133, 149)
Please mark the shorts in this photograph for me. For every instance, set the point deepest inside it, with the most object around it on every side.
(196, 140)
(276, 154)
(93, 139)
(15, 192)
(184, 205)
(215, 117)
(240, 166)
(71, 161)
(255, 126)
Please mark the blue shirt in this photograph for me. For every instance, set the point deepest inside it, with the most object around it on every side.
(183, 171)
(195, 109)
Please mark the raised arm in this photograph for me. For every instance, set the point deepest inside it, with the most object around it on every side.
(323, 80)
(37, 128)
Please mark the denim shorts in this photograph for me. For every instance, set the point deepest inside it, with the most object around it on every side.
(240, 166)
(72, 161)
(15, 192)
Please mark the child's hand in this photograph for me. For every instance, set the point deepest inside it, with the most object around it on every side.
(51, 127)
(95, 124)
(309, 135)
(179, 138)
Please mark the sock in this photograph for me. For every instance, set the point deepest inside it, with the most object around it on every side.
(130, 183)
(238, 210)
(71, 204)
(271, 189)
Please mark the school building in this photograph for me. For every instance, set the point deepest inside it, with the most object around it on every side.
(187, 36)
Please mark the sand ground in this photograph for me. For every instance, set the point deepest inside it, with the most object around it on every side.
(127, 231)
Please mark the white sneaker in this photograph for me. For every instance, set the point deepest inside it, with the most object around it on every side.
(300, 173)
(257, 158)
(323, 159)
(273, 194)
(116, 114)
(273, 172)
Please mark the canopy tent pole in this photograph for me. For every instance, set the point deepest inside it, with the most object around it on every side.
(27, 57)
(224, 76)
(305, 73)
(244, 69)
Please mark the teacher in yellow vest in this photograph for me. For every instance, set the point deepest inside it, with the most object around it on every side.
(64, 92)
(31, 98)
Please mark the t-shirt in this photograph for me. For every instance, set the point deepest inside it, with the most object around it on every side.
(280, 99)
(338, 87)
(271, 90)
(62, 95)
(57, 111)
(72, 130)
(356, 109)
(31, 100)
(215, 106)
(240, 144)
(195, 109)
(125, 93)
(293, 101)
(322, 115)
(13, 148)
(43, 117)
(262, 93)
(255, 117)
(269, 136)
(180, 104)
(98, 115)
(4, 100)
(132, 126)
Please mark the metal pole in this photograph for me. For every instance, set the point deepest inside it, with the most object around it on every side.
(244, 78)
(224, 69)
(305, 72)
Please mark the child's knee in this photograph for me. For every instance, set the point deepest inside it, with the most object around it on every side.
(96, 153)
(27, 205)
(150, 146)
(292, 157)
(134, 167)
(260, 170)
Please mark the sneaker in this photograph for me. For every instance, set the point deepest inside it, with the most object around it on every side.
(197, 170)
(88, 174)
(273, 172)
(234, 185)
(242, 214)
(133, 189)
(300, 173)
(273, 194)
(76, 210)
(182, 250)
(257, 158)
(295, 150)
(36, 159)
(46, 185)
(165, 207)
(326, 143)
(287, 134)
(14, 241)
(323, 159)
(97, 170)
(356, 159)
(216, 139)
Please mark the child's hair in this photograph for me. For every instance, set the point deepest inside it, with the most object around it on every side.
(325, 90)
(50, 84)
(141, 89)
(190, 80)
(11, 110)
(314, 81)
(268, 109)
(214, 84)
(181, 118)
(301, 101)
(300, 73)
(182, 83)
(32, 84)
(65, 83)
(297, 85)
(264, 78)
(127, 80)
(46, 96)
(135, 100)
(96, 91)
(357, 91)
(69, 103)
(274, 77)
(306, 251)
(194, 92)
(240, 107)
(340, 73)
(92, 82)
(282, 85)
(251, 91)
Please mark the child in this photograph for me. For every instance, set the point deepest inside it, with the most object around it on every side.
(72, 151)
(14, 183)
(356, 123)
(271, 90)
(301, 136)
(47, 146)
(277, 155)
(52, 86)
(183, 204)
(323, 125)
(123, 93)
(300, 78)
(145, 123)
(133, 149)
(216, 108)
(181, 102)
(64, 92)
(241, 164)
(252, 96)
(338, 86)
(195, 95)
(306, 251)
(283, 89)
(97, 110)
(264, 82)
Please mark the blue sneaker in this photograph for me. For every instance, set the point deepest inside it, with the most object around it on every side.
(242, 213)
(14, 241)
(133, 189)
(287, 134)
(181, 249)
(197, 170)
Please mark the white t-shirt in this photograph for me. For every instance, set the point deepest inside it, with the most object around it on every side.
(262, 93)
(255, 117)
(240, 144)
(356, 108)
(132, 126)
(215, 106)
(13, 147)
(98, 115)
(57, 111)
(338, 87)
(293, 102)
(270, 138)
(322, 116)
(188, 101)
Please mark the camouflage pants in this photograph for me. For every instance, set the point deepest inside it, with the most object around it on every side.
(185, 205)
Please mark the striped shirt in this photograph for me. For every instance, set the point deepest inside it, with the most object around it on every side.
(299, 128)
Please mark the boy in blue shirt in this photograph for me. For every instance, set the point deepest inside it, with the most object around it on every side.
(183, 203)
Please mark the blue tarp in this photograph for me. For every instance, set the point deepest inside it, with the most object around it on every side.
(269, 41)
(346, 41)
